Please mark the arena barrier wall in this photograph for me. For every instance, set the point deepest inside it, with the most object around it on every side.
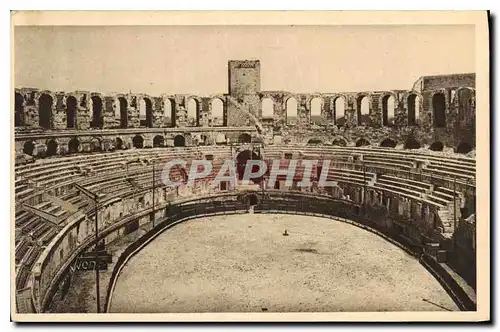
(292, 203)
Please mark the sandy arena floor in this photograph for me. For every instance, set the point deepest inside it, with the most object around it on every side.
(244, 263)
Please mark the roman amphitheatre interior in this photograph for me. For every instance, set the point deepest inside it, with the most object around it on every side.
(395, 233)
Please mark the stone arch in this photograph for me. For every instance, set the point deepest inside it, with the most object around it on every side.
(411, 143)
(244, 138)
(158, 141)
(339, 142)
(95, 144)
(436, 146)
(168, 111)
(179, 140)
(363, 109)
(71, 111)
(138, 141)
(439, 110)
(339, 106)
(119, 143)
(464, 97)
(388, 143)
(241, 162)
(314, 141)
(291, 108)
(413, 102)
(362, 142)
(388, 102)
(52, 147)
(18, 110)
(267, 108)
(45, 107)
(29, 147)
(193, 111)
(316, 106)
(464, 148)
(146, 112)
(217, 111)
(74, 145)
(97, 113)
(122, 112)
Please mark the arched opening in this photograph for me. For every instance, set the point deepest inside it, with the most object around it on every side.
(464, 148)
(267, 108)
(363, 110)
(316, 110)
(339, 142)
(167, 113)
(412, 143)
(464, 103)
(158, 141)
(71, 108)
(436, 146)
(217, 112)
(118, 143)
(388, 143)
(146, 112)
(362, 142)
(97, 120)
(413, 109)
(244, 138)
(252, 200)
(138, 141)
(28, 148)
(388, 110)
(340, 111)
(241, 162)
(74, 145)
(291, 111)
(314, 141)
(179, 140)
(18, 111)
(96, 145)
(439, 110)
(122, 103)
(45, 111)
(51, 148)
(192, 113)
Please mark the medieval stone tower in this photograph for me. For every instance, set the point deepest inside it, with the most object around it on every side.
(244, 87)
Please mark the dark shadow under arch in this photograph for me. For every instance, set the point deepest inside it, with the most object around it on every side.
(412, 143)
(51, 148)
(179, 140)
(28, 148)
(436, 146)
(362, 142)
(74, 145)
(339, 142)
(388, 143)
(158, 141)
(464, 148)
(138, 141)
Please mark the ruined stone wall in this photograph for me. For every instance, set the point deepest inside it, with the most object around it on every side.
(243, 107)
(449, 81)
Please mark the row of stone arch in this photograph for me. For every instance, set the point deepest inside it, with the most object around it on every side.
(75, 145)
(410, 143)
(362, 108)
(46, 107)
(463, 98)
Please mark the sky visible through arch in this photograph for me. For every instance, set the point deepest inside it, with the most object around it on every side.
(193, 59)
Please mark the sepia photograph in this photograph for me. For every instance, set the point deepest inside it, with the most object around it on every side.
(274, 166)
